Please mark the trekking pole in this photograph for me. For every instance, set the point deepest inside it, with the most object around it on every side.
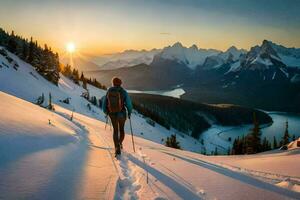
(132, 135)
(147, 174)
(110, 124)
(106, 121)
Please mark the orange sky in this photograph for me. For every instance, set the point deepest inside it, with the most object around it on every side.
(103, 27)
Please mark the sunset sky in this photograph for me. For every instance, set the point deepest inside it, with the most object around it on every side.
(101, 27)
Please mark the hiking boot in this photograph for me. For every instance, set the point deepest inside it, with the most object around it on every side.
(118, 152)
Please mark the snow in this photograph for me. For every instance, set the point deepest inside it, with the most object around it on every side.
(73, 159)
(12, 82)
(236, 53)
(288, 185)
(294, 144)
(192, 57)
(266, 62)
(290, 60)
(285, 73)
(274, 74)
(38, 159)
(27, 129)
(202, 177)
(126, 59)
(295, 78)
(234, 67)
(172, 174)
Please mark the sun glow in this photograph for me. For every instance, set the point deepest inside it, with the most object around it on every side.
(70, 47)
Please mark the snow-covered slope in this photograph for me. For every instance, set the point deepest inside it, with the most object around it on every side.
(294, 144)
(72, 159)
(44, 155)
(78, 164)
(21, 130)
(232, 52)
(27, 84)
(230, 56)
(289, 56)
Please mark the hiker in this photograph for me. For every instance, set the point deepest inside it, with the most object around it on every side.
(114, 105)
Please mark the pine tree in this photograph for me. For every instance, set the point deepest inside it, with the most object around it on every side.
(44, 60)
(75, 76)
(255, 133)
(234, 147)
(50, 106)
(275, 145)
(216, 152)
(12, 44)
(286, 136)
(82, 78)
(67, 70)
(25, 50)
(248, 144)
(40, 100)
(94, 100)
(84, 85)
(31, 51)
(264, 146)
(229, 151)
(172, 142)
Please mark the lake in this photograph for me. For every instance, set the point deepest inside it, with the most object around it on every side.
(276, 129)
(176, 93)
(217, 136)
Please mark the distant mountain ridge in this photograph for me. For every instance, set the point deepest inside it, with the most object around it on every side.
(126, 59)
(190, 56)
(267, 76)
(82, 64)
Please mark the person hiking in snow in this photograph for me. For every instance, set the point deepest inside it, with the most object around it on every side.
(114, 105)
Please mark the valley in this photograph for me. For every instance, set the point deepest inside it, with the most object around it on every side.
(150, 100)
(265, 77)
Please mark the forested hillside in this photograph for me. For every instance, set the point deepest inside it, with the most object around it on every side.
(43, 59)
(194, 118)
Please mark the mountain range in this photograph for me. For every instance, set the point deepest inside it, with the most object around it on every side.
(267, 76)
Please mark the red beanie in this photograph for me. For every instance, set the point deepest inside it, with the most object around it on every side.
(116, 81)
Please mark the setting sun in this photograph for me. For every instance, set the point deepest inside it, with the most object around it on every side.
(128, 99)
(70, 47)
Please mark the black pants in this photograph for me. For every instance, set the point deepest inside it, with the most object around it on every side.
(118, 126)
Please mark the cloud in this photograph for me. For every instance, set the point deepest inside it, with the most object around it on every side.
(165, 33)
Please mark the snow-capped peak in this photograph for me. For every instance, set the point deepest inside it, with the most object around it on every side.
(268, 53)
(194, 47)
(261, 57)
(290, 56)
(232, 53)
(267, 49)
(129, 58)
(232, 48)
(191, 57)
(177, 45)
